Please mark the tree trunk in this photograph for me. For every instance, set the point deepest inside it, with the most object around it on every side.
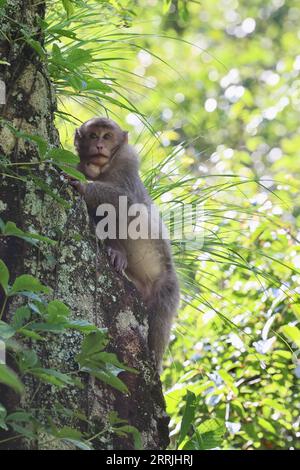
(76, 267)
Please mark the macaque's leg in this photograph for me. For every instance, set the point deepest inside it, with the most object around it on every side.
(117, 255)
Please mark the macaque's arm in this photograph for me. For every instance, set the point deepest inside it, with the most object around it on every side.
(94, 194)
(98, 192)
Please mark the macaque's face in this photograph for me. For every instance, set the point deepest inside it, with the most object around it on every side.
(96, 142)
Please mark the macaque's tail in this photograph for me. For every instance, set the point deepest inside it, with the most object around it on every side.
(163, 306)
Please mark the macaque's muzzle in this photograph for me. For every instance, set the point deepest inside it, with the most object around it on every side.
(98, 160)
(96, 165)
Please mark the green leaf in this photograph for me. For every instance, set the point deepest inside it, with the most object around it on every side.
(166, 6)
(38, 309)
(188, 415)
(41, 143)
(3, 414)
(82, 445)
(95, 84)
(292, 333)
(24, 431)
(32, 296)
(78, 57)
(72, 436)
(45, 187)
(76, 82)
(4, 276)
(127, 429)
(34, 237)
(71, 413)
(111, 358)
(55, 377)
(93, 343)
(50, 327)
(183, 10)
(210, 433)
(30, 334)
(114, 419)
(20, 416)
(6, 330)
(192, 444)
(67, 4)
(61, 32)
(107, 377)
(11, 229)
(81, 325)
(36, 45)
(67, 432)
(274, 404)
(57, 311)
(10, 378)
(266, 425)
(296, 309)
(63, 156)
(57, 56)
(73, 172)
(21, 315)
(28, 359)
(26, 282)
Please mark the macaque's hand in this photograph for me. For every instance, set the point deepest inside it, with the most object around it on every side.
(80, 187)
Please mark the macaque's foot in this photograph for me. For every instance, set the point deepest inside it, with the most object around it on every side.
(117, 259)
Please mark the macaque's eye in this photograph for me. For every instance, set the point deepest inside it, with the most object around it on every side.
(107, 136)
(93, 135)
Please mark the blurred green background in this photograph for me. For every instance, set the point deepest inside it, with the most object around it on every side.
(210, 94)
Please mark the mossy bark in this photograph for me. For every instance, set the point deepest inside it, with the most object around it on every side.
(76, 268)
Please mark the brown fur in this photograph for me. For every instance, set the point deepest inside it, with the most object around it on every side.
(147, 263)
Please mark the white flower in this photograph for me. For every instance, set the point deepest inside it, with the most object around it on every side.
(232, 428)
(265, 345)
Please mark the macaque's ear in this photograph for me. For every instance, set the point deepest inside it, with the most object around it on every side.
(77, 137)
(125, 134)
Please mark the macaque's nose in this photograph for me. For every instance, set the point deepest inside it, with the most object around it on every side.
(99, 146)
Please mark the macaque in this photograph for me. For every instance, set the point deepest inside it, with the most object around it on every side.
(111, 166)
